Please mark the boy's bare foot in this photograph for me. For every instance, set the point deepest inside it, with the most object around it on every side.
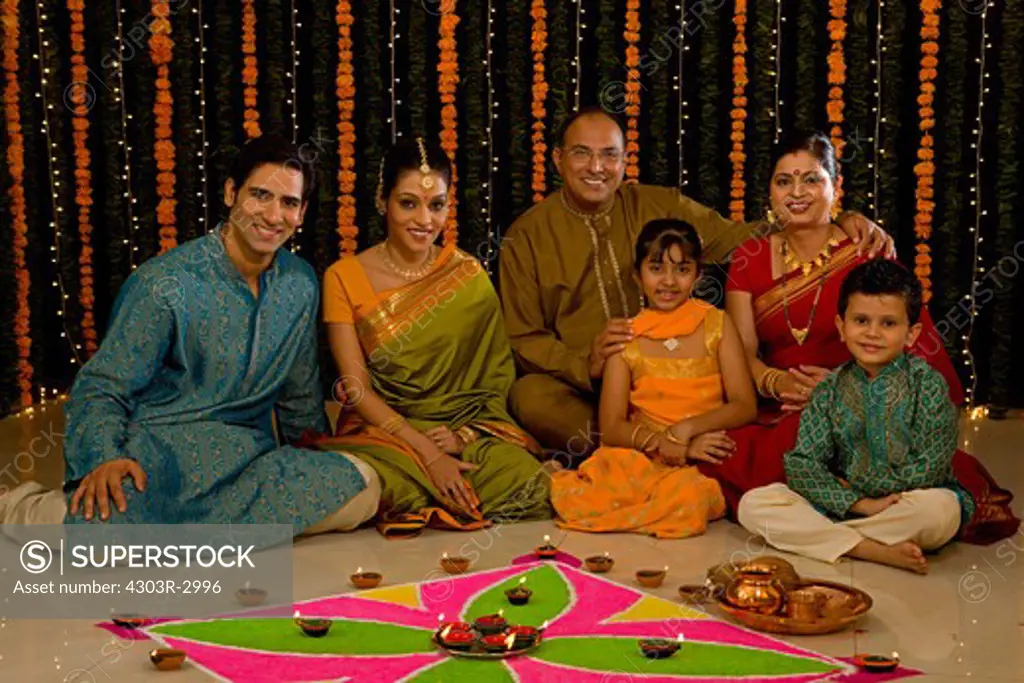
(906, 555)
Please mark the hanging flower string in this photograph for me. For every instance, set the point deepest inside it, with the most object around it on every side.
(80, 102)
(250, 72)
(925, 167)
(632, 36)
(161, 48)
(837, 78)
(539, 43)
(16, 167)
(346, 85)
(738, 115)
(448, 80)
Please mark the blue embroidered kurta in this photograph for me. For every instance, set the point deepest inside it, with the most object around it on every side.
(186, 383)
(893, 433)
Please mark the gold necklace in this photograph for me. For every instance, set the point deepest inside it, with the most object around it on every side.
(408, 274)
(792, 262)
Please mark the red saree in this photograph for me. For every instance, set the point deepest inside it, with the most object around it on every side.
(760, 447)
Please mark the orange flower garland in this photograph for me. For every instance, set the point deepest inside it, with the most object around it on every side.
(837, 78)
(161, 49)
(740, 79)
(925, 168)
(16, 166)
(346, 84)
(632, 36)
(250, 74)
(83, 189)
(448, 80)
(539, 43)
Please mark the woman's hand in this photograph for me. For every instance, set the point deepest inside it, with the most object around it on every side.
(446, 440)
(796, 385)
(446, 474)
(712, 447)
(670, 453)
(867, 235)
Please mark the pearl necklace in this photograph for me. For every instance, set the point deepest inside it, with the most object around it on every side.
(408, 274)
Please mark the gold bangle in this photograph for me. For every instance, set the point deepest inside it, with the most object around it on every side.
(672, 438)
(467, 434)
(647, 441)
(773, 389)
(393, 425)
(632, 437)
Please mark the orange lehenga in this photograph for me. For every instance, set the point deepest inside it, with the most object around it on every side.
(620, 489)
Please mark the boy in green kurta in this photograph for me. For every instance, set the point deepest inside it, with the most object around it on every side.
(566, 286)
(871, 474)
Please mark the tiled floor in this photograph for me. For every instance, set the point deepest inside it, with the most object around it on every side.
(965, 620)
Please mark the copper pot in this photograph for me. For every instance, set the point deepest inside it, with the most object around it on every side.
(756, 591)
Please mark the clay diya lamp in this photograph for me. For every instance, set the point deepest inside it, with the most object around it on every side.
(660, 648)
(696, 594)
(651, 578)
(250, 597)
(129, 621)
(524, 636)
(363, 580)
(457, 639)
(498, 642)
(599, 564)
(454, 565)
(878, 663)
(489, 624)
(167, 659)
(546, 551)
(314, 628)
(454, 625)
(519, 595)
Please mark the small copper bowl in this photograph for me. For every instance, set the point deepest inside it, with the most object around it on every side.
(314, 628)
(251, 597)
(455, 565)
(167, 659)
(599, 564)
(650, 578)
(804, 605)
(364, 580)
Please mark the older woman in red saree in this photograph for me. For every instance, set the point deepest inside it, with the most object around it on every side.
(783, 293)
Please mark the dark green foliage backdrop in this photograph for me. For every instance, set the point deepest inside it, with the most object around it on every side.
(706, 90)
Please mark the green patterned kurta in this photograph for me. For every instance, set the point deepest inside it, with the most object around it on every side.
(893, 433)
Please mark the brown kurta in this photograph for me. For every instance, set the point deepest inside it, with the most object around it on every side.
(552, 299)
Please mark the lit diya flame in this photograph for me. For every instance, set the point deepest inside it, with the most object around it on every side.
(547, 540)
(297, 615)
(446, 631)
(680, 639)
(440, 618)
(522, 581)
(607, 554)
(444, 556)
(501, 613)
(896, 655)
(359, 570)
(246, 586)
(510, 641)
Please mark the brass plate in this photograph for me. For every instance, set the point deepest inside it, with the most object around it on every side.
(843, 606)
(479, 653)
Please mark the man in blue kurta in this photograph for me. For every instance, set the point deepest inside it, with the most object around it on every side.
(207, 344)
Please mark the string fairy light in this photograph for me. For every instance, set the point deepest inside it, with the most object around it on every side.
(683, 114)
(489, 137)
(577, 61)
(201, 92)
(876, 140)
(293, 99)
(974, 412)
(777, 68)
(392, 37)
(119, 99)
(54, 178)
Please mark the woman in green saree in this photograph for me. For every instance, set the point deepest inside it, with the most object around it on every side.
(417, 334)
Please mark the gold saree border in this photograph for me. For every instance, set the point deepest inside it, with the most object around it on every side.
(798, 285)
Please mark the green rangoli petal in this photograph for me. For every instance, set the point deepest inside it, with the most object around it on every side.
(469, 670)
(550, 598)
(693, 659)
(282, 635)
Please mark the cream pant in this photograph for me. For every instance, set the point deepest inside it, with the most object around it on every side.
(929, 517)
(32, 503)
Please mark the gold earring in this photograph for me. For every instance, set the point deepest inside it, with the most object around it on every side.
(769, 216)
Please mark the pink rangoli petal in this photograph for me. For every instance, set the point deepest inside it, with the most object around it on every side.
(247, 666)
(537, 671)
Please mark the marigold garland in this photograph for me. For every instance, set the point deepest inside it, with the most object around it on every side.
(837, 78)
(539, 43)
(740, 79)
(925, 168)
(83, 190)
(16, 166)
(632, 36)
(161, 49)
(448, 80)
(346, 85)
(250, 72)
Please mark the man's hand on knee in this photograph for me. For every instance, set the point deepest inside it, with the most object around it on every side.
(104, 484)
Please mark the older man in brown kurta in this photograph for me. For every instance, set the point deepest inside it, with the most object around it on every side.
(567, 278)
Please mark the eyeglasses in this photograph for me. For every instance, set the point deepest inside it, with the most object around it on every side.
(585, 155)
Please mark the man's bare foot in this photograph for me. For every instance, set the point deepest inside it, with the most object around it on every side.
(906, 555)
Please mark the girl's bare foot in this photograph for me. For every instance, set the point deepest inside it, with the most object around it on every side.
(906, 555)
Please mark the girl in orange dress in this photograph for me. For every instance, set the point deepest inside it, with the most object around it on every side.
(666, 399)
